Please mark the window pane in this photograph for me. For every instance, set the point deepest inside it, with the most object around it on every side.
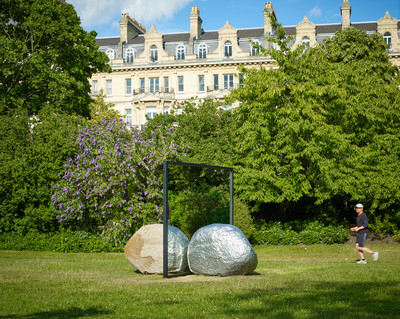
(142, 85)
(180, 84)
(151, 112)
(201, 83)
(228, 49)
(128, 116)
(166, 84)
(216, 85)
(154, 84)
(109, 87)
(95, 87)
(128, 85)
(153, 54)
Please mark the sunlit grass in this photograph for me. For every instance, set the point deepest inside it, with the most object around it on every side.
(290, 282)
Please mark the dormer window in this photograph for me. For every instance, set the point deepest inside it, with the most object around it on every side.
(110, 54)
(202, 51)
(254, 50)
(228, 49)
(180, 52)
(153, 54)
(388, 39)
(306, 42)
(130, 54)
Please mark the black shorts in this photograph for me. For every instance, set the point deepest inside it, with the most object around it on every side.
(362, 237)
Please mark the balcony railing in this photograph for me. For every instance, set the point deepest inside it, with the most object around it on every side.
(212, 88)
(157, 91)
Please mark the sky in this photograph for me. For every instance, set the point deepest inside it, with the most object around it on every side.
(170, 16)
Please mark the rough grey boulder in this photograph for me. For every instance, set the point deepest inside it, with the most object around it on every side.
(144, 250)
(221, 250)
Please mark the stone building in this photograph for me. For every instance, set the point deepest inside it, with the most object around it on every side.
(152, 72)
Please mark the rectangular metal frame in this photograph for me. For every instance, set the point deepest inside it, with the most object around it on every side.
(165, 203)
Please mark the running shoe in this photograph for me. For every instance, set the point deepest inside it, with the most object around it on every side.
(361, 261)
(375, 256)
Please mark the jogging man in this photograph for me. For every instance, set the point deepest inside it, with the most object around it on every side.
(362, 229)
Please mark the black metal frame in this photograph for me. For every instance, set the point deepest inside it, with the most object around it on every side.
(165, 203)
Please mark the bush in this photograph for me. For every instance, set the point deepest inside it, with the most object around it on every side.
(382, 226)
(334, 235)
(313, 233)
(190, 211)
(32, 154)
(114, 180)
(63, 241)
(242, 218)
(289, 237)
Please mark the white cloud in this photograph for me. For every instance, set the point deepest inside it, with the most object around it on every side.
(315, 12)
(100, 12)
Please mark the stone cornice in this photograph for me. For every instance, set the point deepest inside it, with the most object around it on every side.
(194, 64)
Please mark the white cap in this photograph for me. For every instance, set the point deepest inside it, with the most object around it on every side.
(359, 206)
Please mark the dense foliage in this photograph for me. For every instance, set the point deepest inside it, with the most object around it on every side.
(205, 126)
(321, 129)
(32, 154)
(46, 57)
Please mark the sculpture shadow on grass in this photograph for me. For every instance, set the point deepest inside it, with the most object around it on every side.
(72, 312)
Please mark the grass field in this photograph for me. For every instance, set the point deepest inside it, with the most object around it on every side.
(290, 282)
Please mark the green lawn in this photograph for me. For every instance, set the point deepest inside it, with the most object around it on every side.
(290, 282)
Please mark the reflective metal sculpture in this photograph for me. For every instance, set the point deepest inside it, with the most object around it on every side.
(221, 250)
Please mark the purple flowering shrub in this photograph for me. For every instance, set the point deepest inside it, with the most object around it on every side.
(114, 184)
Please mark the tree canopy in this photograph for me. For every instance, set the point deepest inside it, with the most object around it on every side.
(324, 124)
(46, 57)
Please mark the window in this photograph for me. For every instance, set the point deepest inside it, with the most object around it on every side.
(202, 51)
(153, 54)
(151, 112)
(180, 110)
(306, 42)
(180, 52)
(240, 80)
(388, 39)
(166, 84)
(165, 110)
(110, 54)
(128, 86)
(180, 84)
(130, 54)
(128, 116)
(254, 50)
(228, 49)
(154, 85)
(109, 87)
(216, 85)
(201, 83)
(228, 81)
(142, 88)
(95, 87)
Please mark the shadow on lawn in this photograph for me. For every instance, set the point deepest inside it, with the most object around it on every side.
(63, 313)
(317, 299)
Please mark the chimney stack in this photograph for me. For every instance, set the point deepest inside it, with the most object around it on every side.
(345, 11)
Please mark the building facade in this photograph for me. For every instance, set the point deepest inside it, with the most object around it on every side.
(153, 72)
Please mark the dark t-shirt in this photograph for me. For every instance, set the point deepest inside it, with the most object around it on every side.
(362, 220)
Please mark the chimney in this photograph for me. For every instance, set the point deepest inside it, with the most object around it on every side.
(267, 23)
(129, 28)
(345, 11)
(195, 23)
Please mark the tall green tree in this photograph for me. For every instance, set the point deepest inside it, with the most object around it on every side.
(46, 57)
(324, 125)
(205, 126)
